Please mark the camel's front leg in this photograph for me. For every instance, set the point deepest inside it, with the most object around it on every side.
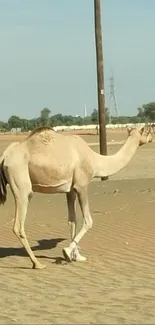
(71, 203)
(83, 201)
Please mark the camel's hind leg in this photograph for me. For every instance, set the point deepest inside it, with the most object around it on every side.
(21, 189)
(83, 201)
(71, 203)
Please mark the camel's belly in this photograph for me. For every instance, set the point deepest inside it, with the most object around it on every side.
(52, 189)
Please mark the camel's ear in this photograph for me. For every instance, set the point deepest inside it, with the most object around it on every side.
(129, 129)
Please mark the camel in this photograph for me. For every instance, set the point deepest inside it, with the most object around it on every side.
(49, 162)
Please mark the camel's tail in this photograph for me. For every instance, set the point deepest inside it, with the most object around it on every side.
(3, 179)
(3, 184)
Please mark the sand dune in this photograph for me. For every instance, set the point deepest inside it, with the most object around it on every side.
(114, 286)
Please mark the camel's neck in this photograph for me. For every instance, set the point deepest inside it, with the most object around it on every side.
(109, 165)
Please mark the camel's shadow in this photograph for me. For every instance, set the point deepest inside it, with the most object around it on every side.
(43, 244)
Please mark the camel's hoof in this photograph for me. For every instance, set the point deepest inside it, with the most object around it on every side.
(73, 255)
(79, 258)
(67, 254)
(38, 266)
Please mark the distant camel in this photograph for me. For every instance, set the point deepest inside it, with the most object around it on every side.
(48, 162)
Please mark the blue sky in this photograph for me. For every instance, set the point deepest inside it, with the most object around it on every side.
(48, 57)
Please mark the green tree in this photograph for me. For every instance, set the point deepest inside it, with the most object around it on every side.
(45, 116)
(3, 126)
(147, 111)
(140, 112)
(95, 117)
(14, 122)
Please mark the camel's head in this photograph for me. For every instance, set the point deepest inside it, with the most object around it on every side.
(143, 132)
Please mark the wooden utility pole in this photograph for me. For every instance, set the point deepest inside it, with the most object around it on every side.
(100, 79)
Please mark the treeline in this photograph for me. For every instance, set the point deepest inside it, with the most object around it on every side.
(146, 113)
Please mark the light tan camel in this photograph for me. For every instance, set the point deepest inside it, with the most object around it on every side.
(48, 162)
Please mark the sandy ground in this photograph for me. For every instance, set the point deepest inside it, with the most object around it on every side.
(116, 285)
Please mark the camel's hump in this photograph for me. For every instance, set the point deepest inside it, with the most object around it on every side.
(40, 129)
(43, 133)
